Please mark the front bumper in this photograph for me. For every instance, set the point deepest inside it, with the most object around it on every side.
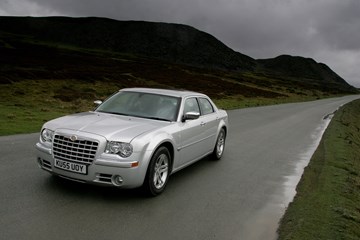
(105, 170)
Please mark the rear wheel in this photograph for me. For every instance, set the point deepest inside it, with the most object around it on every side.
(158, 172)
(219, 146)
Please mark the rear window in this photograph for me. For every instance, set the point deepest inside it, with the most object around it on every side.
(205, 106)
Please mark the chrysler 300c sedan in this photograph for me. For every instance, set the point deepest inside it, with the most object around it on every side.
(137, 137)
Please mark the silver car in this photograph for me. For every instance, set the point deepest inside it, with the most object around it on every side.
(137, 137)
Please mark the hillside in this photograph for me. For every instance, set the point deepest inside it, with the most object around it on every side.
(170, 42)
(54, 66)
(305, 69)
(133, 53)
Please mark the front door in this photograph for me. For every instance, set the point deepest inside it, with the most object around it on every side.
(194, 134)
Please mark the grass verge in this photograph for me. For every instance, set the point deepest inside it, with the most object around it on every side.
(26, 105)
(327, 202)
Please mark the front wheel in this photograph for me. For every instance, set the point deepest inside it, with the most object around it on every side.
(219, 146)
(158, 172)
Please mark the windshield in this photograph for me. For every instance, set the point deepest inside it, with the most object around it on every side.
(144, 105)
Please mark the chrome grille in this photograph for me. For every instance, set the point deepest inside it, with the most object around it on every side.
(79, 150)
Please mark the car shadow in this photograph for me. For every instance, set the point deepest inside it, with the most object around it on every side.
(58, 186)
(70, 188)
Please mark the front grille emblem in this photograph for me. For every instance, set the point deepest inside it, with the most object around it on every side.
(73, 138)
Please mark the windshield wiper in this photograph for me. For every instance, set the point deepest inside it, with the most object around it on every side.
(160, 119)
(116, 113)
(138, 116)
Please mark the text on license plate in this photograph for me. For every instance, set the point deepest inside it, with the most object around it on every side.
(70, 166)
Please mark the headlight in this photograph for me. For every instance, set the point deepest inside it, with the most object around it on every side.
(47, 135)
(123, 149)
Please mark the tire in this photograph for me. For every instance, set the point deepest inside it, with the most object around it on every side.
(158, 172)
(219, 145)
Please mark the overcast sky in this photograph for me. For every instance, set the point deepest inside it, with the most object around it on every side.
(326, 30)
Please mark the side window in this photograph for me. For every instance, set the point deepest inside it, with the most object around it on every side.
(191, 105)
(206, 106)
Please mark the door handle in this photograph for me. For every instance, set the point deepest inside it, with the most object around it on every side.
(202, 124)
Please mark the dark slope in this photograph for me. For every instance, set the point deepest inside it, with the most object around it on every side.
(34, 48)
(171, 42)
(306, 70)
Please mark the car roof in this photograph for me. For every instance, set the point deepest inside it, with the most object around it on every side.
(169, 92)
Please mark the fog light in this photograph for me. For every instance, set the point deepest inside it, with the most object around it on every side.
(117, 180)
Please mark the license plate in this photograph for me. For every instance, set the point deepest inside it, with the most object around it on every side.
(70, 166)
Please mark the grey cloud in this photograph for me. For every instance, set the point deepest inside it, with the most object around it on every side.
(24, 7)
(243, 24)
(341, 27)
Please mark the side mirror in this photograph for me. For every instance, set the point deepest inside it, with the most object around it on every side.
(98, 102)
(191, 116)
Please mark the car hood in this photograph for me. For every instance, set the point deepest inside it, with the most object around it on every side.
(112, 127)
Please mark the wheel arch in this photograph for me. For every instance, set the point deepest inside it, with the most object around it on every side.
(224, 126)
(148, 186)
(170, 148)
(225, 129)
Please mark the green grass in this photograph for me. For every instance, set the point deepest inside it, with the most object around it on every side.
(236, 102)
(327, 204)
(26, 105)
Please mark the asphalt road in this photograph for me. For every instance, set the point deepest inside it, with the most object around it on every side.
(243, 196)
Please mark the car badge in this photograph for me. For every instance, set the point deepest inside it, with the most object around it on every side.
(73, 138)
